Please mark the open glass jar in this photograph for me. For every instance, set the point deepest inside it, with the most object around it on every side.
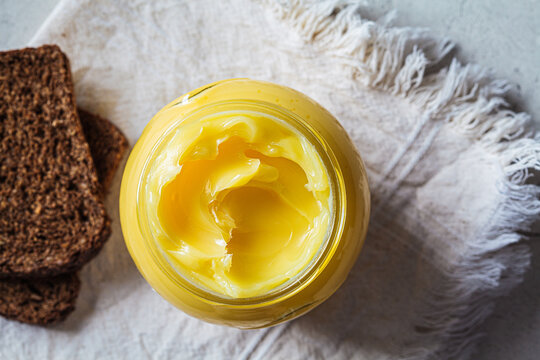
(332, 259)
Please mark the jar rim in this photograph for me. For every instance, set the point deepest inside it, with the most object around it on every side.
(327, 248)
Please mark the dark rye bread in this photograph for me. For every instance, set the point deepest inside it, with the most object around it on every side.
(50, 300)
(52, 219)
(39, 301)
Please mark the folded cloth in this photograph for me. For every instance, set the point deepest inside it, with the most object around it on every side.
(449, 166)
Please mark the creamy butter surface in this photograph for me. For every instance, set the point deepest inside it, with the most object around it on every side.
(238, 201)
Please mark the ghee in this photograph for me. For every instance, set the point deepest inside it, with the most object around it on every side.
(244, 203)
(241, 202)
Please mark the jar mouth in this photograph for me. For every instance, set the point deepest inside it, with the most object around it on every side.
(337, 195)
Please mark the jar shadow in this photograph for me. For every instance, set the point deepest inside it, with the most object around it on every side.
(377, 302)
(381, 308)
(377, 308)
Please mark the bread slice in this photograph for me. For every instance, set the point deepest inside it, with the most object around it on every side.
(52, 219)
(39, 301)
(50, 300)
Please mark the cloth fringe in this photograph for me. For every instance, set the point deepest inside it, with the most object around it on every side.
(403, 61)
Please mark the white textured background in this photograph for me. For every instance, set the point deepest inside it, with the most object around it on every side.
(499, 34)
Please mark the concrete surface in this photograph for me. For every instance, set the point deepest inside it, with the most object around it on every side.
(499, 34)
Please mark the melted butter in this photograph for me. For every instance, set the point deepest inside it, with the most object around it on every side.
(239, 202)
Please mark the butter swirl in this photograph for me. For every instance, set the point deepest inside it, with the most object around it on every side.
(239, 201)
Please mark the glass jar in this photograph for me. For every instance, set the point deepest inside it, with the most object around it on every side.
(338, 252)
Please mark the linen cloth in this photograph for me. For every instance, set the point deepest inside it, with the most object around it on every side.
(448, 164)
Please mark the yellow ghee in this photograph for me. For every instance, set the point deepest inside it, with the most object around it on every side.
(241, 202)
(244, 203)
